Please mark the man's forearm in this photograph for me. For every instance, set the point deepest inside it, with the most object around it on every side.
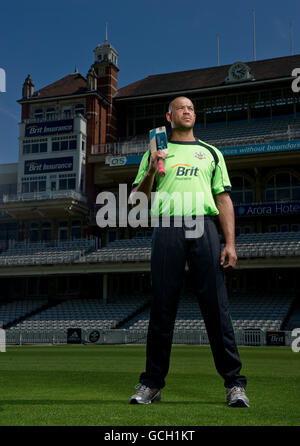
(145, 185)
(226, 217)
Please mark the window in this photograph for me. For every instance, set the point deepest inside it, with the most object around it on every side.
(43, 147)
(34, 232)
(37, 184)
(242, 190)
(50, 113)
(67, 181)
(33, 186)
(283, 186)
(34, 146)
(63, 231)
(71, 183)
(67, 112)
(63, 184)
(55, 146)
(42, 186)
(76, 230)
(9, 231)
(26, 148)
(46, 232)
(64, 143)
(72, 144)
(38, 114)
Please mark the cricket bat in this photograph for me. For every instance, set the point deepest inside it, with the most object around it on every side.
(158, 141)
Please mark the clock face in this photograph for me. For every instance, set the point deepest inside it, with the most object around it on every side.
(239, 71)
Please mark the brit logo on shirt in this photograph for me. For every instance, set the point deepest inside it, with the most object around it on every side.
(200, 155)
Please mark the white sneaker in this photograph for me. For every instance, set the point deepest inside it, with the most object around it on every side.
(145, 395)
(236, 397)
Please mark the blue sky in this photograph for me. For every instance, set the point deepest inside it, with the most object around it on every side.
(48, 38)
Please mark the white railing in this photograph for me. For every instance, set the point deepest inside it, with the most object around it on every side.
(53, 117)
(48, 195)
(121, 148)
(259, 139)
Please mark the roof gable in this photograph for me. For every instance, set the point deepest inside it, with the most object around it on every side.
(261, 70)
(69, 85)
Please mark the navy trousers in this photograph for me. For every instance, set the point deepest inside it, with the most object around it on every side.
(170, 252)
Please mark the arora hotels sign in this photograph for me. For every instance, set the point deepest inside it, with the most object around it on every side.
(276, 208)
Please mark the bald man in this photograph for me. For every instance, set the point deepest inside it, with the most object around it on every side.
(191, 166)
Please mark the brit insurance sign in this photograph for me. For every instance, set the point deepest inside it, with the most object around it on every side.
(48, 165)
(49, 128)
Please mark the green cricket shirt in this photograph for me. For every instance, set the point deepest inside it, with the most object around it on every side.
(190, 168)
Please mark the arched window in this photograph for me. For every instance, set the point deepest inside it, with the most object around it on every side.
(283, 186)
(38, 114)
(242, 190)
(50, 113)
(67, 112)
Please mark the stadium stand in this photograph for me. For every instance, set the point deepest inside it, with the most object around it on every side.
(248, 310)
(250, 131)
(30, 253)
(138, 249)
(12, 311)
(85, 314)
(247, 245)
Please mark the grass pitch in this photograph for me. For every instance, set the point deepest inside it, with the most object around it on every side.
(91, 386)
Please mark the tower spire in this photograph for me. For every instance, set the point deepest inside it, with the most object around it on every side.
(106, 33)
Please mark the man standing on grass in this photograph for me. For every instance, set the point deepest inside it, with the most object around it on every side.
(191, 165)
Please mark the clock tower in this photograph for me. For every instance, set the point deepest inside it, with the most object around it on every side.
(106, 69)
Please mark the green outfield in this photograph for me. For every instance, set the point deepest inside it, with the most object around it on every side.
(91, 385)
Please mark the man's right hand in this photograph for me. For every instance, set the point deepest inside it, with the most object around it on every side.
(154, 159)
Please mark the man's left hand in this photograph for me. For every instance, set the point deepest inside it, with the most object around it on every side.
(229, 253)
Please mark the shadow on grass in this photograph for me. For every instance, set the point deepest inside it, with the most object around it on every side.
(102, 402)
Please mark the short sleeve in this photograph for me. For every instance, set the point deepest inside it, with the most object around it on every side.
(221, 182)
(143, 168)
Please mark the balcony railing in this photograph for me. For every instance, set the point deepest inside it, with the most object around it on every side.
(53, 117)
(288, 135)
(49, 195)
(121, 148)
